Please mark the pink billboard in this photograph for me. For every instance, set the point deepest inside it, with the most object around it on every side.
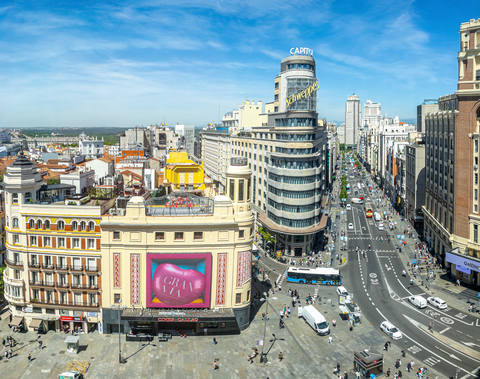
(178, 280)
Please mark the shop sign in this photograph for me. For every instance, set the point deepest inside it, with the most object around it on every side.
(301, 51)
(70, 318)
(302, 94)
(27, 309)
(461, 261)
(178, 319)
(92, 314)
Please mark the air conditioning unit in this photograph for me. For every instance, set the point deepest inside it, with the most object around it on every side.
(475, 167)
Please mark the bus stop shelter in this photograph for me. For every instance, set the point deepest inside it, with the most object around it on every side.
(369, 364)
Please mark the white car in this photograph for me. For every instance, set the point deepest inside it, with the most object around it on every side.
(391, 330)
(380, 226)
(368, 198)
(437, 302)
(350, 226)
(349, 207)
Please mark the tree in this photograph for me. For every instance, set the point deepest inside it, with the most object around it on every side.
(2, 269)
(53, 181)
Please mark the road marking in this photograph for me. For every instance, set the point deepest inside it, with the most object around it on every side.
(444, 330)
(431, 361)
(476, 324)
(470, 344)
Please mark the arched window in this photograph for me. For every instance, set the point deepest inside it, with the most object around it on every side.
(74, 225)
(61, 225)
(39, 224)
(31, 223)
(47, 224)
(83, 225)
(15, 222)
(91, 226)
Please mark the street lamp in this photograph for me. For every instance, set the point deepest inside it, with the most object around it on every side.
(263, 357)
(119, 334)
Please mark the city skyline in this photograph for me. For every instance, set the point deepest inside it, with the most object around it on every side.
(188, 62)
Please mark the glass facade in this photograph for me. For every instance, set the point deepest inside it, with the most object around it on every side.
(307, 103)
(294, 179)
(295, 121)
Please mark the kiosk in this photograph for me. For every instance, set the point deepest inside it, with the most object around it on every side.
(73, 343)
(369, 364)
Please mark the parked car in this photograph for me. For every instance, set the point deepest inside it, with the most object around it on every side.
(437, 302)
(391, 330)
(350, 226)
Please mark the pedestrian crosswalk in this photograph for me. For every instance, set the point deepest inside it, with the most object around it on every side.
(431, 361)
(359, 238)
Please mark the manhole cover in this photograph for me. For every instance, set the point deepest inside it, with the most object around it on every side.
(61, 352)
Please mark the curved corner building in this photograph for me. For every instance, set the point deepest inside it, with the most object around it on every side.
(288, 160)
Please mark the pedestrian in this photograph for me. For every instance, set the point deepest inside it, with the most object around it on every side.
(280, 356)
(397, 364)
(29, 358)
(385, 347)
(10, 353)
(40, 345)
(412, 364)
(8, 341)
(215, 366)
(345, 376)
(409, 366)
(3, 343)
(334, 323)
(338, 367)
(388, 373)
(330, 339)
(6, 355)
(214, 341)
(205, 331)
(357, 375)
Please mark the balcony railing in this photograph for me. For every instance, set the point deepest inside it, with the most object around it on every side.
(63, 285)
(62, 267)
(42, 283)
(64, 303)
(47, 266)
(76, 267)
(91, 268)
(14, 263)
(84, 287)
(33, 265)
(12, 281)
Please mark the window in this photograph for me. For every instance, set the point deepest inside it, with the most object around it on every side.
(238, 298)
(62, 279)
(75, 225)
(31, 224)
(197, 235)
(241, 190)
(76, 280)
(46, 241)
(33, 259)
(475, 233)
(159, 236)
(232, 189)
(16, 239)
(33, 240)
(61, 262)
(116, 298)
(91, 226)
(78, 298)
(61, 225)
(91, 243)
(116, 235)
(248, 295)
(76, 243)
(475, 194)
(476, 178)
(61, 242)
(178, 236)
(83, 226)
(49, 279)
(47, 224)
(39, 224)
(241, 234)
(476, 145)
(15, 222)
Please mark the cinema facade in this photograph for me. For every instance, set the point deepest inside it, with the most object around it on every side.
(180, 262)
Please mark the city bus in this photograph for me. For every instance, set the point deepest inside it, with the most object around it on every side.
(318, 275)
(368, 210)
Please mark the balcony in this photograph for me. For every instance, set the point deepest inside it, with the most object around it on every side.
(14, 263)
(64, 303)
(33, 265)
(46, 266)
(91, 268)
(62, 267)
(41, 283)
(62, 285)
(76, 267)
(12, 281)
(93, 287)
(17, 300)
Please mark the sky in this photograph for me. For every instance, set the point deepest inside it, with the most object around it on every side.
(102, 63)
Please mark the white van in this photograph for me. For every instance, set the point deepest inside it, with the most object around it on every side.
(378, 217)
(418, 301)
(356, 200)
(315, 319)
(342, 291)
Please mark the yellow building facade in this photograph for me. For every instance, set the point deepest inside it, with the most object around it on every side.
(180, 261)
(182, 173)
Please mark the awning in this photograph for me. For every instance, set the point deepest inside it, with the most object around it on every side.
(92, 319)
(35, 323)
(5, 315)
(16, 321)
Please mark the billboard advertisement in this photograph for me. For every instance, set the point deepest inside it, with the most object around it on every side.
(179, 280)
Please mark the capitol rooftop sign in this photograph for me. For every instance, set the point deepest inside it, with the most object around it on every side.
(301, 51)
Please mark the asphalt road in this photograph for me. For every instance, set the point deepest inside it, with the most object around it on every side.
(383, 295)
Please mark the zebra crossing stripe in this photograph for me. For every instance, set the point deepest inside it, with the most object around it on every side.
(431, 361)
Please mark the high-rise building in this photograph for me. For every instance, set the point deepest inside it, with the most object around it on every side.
(352, 120)
(452, 216)
(372, 113)
(287, 157)
(422, 111)
(188, 132)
